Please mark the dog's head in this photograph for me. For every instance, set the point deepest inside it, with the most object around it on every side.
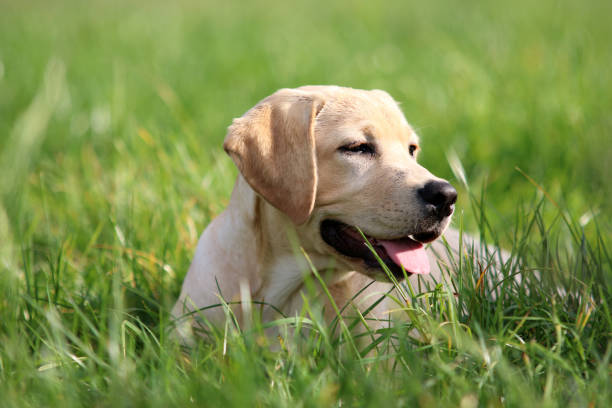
(333, 159)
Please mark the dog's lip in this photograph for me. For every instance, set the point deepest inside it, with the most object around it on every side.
(425, 237)
(422, 237)
(352, 230)
(347, 241)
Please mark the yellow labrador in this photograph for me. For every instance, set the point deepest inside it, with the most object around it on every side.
(314, 163)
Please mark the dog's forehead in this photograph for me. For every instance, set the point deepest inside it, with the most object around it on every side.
(373, 112)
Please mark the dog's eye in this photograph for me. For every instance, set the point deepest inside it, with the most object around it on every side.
(362, 148)
(412, 149)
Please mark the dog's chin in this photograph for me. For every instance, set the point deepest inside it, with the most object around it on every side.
(349, 244)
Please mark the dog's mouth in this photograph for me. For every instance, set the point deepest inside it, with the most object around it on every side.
(406, 253)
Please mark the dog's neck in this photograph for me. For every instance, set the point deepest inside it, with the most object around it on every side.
(248, 246)
(267, 250)
(251, 248)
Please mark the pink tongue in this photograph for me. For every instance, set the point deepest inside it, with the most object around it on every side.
(407, 253)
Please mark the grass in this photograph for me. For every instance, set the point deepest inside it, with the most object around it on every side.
(111, 122)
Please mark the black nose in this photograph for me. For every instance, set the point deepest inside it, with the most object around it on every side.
(440, 195)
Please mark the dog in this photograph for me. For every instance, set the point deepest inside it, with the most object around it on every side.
(316, 163)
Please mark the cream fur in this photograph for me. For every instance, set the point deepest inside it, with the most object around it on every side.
(292, 178)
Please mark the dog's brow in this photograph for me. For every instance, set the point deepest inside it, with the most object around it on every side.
(413, 138)
(354, 140)
(368, 131)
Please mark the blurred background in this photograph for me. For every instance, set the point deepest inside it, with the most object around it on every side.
(112, 114)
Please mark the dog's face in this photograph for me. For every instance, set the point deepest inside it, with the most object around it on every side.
(348, 159)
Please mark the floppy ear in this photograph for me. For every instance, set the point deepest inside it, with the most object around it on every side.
(273, 146)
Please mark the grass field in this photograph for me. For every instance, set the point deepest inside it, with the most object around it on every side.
(112, 117)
